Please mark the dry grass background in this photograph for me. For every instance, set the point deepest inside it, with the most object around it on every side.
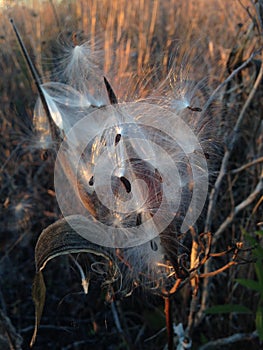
(135, 36)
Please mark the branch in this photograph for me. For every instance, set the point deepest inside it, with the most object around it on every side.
(219, 343)
(223, 170)
(216, 272)
(169, 322)
(248, 165)
(230, 77)
(240, 207)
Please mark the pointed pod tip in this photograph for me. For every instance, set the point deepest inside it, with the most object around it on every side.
(112, 97)
(13, 24)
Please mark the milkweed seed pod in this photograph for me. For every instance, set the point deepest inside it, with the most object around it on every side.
(129, 169)
(135, 174)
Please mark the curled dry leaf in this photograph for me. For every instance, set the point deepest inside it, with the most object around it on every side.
(56, 240)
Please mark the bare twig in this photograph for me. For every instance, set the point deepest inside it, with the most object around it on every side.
(173, 289)
(216, 272)
(231, 76)
(248, 165)
(252, 196)
(253, 19)
(116, 317)
(257, 5)
(193, 307)
(155, 335)
(194, 273)
(219, 343)
(10, 339)
(223, 170)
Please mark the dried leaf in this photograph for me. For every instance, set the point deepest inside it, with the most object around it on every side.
(58, 239)
(39, 296)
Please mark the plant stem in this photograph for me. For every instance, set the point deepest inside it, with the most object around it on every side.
(169, 322)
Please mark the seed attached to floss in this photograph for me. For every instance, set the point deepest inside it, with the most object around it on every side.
(91, 181)
(126, 184)
(194, 109)
(154, 246)
(117, 139)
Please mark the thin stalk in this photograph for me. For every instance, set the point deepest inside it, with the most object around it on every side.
(38, 83)
(169, 322)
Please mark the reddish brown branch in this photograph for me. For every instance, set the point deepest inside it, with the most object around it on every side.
(169, 321)
(213, 273)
